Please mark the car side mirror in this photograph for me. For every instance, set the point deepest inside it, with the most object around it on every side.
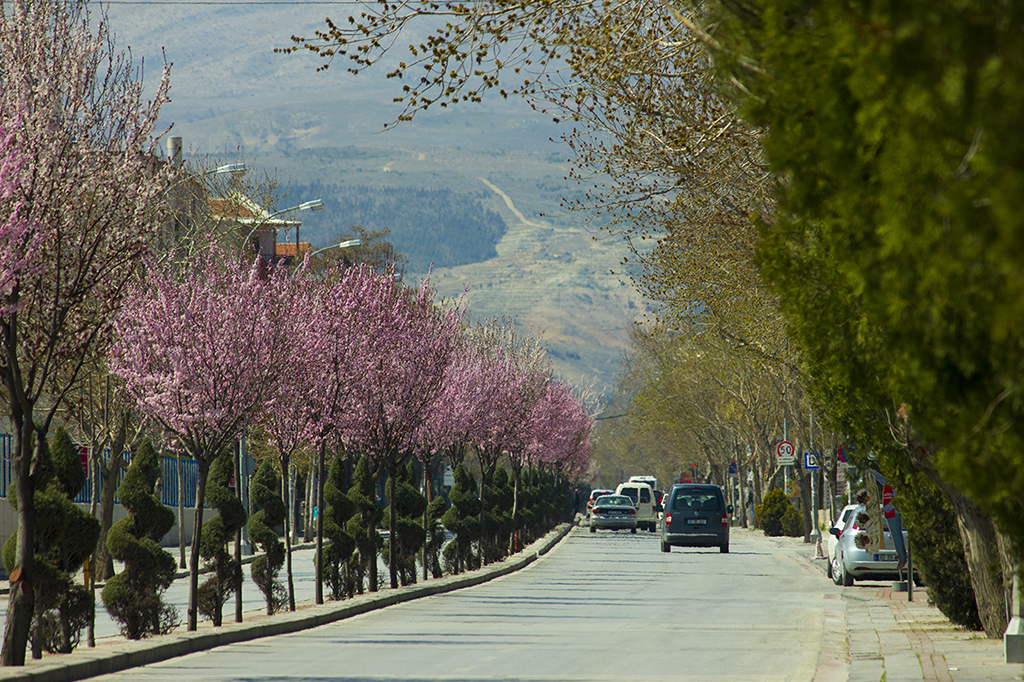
(835, 531)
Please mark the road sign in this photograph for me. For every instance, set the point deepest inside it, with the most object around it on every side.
(732, 468)
(811, 461)
(785, 453)
(83, 456)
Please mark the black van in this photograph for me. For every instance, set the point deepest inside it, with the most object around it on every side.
(695, 515)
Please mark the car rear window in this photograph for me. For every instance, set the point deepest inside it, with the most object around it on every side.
(631, 493)
(696, 500)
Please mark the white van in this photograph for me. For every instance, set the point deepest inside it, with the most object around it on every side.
(643, 499)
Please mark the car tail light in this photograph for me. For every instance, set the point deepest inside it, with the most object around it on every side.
(632, 511)
(668, 519)
(725, 519)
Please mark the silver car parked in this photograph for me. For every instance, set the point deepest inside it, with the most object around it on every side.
(695, 515)
(851, 561)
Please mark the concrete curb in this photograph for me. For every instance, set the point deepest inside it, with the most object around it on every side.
(84, 662)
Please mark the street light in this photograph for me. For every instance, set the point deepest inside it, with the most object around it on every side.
(312, 205)
(232, 168)
(340, 245)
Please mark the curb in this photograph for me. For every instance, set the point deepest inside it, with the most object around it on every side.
(122, 656)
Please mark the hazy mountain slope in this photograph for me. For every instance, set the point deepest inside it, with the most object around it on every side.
(232, 96)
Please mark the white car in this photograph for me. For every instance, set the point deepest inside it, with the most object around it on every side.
(647, 507)
(840, 523)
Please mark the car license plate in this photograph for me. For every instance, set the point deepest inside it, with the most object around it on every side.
(697, 522)
(885, 557)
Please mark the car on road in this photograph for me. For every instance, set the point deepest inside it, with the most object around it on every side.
(594, 494)
(852, 562)
(833, 538)
(695, 515)
(613, 512)
(643, 499)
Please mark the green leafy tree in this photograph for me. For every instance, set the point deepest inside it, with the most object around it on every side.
(272, 512)
(896, 127)
(363, 524)
(410, 504)
(65, 536)
(342, 544)
(133, 597)
(217, 532)
(462, 519)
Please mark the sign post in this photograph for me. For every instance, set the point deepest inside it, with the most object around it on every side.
(785, 453)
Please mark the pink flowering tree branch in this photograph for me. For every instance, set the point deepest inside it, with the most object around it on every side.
(80, 204)
(200, 352)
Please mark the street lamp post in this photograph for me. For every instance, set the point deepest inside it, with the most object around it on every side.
(341, 245)
(319, 205)
(313, 205)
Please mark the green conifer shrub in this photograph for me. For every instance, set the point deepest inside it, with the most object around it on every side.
(435, 534)
(217, 532)
(409, 506)
(65, 536)
(462, 519)
(497, 517)
(368, 514)
(272, 513)
(769, 513)
(133, 597)
(339, 543)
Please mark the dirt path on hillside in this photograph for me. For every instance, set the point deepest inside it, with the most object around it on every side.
(511, 206)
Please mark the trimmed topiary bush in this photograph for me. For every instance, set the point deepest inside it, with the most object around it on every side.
(338, 542)
(409, 506)
(499, 496)
(367, 515)
(217, 532)
(463, 519)
(133, 596)
(266, 568)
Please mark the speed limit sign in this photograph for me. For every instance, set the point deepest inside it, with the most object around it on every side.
(785, 453)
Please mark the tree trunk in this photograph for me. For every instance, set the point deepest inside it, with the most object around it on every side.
(981, 549)
(320, 524)
(104, 562)
(393, 521)
(286, 488)
(193, 560)
(307, 530)
(238, 536)
(21, 600)
(181, 512)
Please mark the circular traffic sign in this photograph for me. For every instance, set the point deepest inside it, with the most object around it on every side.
(785, 449)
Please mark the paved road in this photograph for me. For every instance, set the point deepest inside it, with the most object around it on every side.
(602, 606)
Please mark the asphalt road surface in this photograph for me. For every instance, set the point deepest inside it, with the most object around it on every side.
(604, 606)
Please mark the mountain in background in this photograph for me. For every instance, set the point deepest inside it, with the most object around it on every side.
(471, 195)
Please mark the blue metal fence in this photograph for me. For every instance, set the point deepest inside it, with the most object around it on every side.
(168, 485)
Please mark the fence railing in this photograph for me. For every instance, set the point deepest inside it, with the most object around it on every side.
(168, 484)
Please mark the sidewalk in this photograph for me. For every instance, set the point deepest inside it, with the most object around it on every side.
(892, 639)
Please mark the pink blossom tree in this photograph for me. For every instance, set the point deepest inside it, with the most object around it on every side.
(559, 430)
(201, 354)
(352, 314)
(402, 373)
(79, 201)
